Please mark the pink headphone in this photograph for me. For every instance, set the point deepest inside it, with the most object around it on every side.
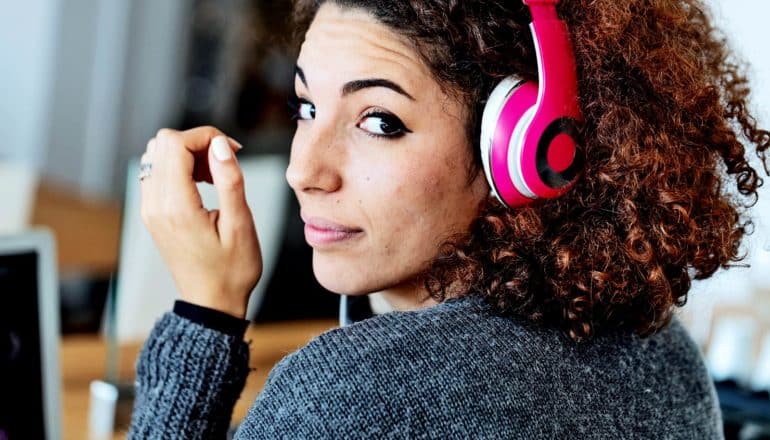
(529, 131)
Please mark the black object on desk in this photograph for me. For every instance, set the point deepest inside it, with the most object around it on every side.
(741, 407)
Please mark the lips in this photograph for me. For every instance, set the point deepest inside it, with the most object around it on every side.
(320, 231)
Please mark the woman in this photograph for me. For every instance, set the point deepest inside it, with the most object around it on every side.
(546, 320)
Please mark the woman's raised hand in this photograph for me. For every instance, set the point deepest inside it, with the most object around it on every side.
(213, 256)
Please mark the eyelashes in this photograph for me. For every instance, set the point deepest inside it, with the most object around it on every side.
(300, 108)
(376, 123)
(381, 124)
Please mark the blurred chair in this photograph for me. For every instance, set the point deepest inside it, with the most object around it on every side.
(144, 288)
(18, 184)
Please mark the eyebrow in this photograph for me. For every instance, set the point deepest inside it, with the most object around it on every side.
(354, 86)
(360, 84)
(298, 72)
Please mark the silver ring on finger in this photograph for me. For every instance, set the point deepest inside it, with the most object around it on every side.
(145, 170)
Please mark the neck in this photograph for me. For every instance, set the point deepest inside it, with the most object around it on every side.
(411, 296)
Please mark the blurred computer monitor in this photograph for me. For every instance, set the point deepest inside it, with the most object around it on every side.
(30, 377)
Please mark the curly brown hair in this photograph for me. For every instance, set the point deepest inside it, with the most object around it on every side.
(665, 104)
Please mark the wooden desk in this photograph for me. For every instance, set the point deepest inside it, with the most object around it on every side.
(87, 231)
(83, 360)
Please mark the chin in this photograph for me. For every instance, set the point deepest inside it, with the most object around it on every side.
(341, 278)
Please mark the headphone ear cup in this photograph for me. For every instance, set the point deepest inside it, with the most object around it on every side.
(506, 116)
(515, 157)
(530, 145)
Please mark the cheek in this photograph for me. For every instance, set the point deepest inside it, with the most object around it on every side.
(430, 187)
(410, 191)
(414, 211)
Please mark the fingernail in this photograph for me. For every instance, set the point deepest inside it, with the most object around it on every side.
(237, 144)
(221, 148)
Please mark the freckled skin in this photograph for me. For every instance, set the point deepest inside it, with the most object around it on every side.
(406, 194)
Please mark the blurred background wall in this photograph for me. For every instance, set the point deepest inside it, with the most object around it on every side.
(85, 84)
(27, 47)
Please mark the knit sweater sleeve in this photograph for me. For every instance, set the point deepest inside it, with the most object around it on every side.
(188, 380)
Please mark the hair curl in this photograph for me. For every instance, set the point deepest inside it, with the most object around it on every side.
(665, 105)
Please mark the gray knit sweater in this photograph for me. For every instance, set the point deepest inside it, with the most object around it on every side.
(455, 370)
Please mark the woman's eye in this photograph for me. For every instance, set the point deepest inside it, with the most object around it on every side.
(306, 110)
(383, 125)
(302, 109)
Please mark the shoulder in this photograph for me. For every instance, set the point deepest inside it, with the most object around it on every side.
(467, 331)
(406, 346)
(413, 331)
(345, 380)
(466, 341)
(460, 365)
(382, 375)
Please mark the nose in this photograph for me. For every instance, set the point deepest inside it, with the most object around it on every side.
(315, 162)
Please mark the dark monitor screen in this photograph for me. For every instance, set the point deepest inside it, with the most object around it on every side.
(21, 387)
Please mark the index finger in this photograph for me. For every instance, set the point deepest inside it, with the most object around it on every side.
(197, 140)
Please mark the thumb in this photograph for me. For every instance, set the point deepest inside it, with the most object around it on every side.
(234, 213)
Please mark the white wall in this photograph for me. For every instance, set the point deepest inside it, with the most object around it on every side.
(153, 87)
(27, 43)
(84, 83)
(73, 59)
